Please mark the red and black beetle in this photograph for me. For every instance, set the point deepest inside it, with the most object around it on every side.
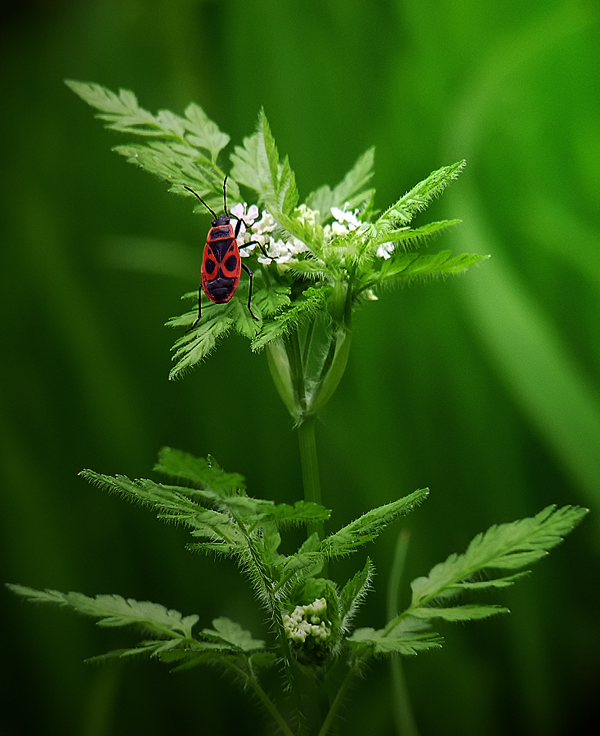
(221, 262)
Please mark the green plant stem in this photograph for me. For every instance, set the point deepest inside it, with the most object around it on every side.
(332, 369)
(403, 712)
(264, 699)
(310, 470)
(339, 698)
(297, 370)
(276, 613)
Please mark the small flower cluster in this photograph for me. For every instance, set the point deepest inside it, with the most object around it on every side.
(307, 621)
(279, 250)
(344, 223)
(287, 251)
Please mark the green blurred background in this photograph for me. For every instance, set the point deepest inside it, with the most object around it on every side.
(484, 388)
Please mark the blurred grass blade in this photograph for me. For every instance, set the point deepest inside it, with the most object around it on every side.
(534, 361)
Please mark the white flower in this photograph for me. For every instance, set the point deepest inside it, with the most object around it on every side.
(247, 218)
(266, 224)
(318, 606)
(287, 251)
(306, 621)
(350, 219)
(305, 214)
(344, 222)
(385, 250)
(338, 230)
(279, 251)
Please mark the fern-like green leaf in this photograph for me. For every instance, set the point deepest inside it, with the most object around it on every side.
(354, 592)
(114, 610)
(411, 237)
(405, 267)
(230, 634)
(351, 192)
(249, 165)
(308, 233)
(121, 111)
(306, 561)
(370, 525)
(205, 473)
(314, 301)
(174, 504)
(256, 164)
(302, 512)
(280, 194)
(166, 499)
(408, 640)
(458, 613)
(203, 132)
(503, 547)
(179, 150)
(419, 197)
(193, 347)
(271, 299)
(143, 649)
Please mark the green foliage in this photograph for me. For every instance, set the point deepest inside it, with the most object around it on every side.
(368, 527)
(331, 240)
(405, 267)
(419, 197)
(326, 257)
(310, 616)
(228, 634)
(216, 508)
(408, 638)
(257, 165)
(503, 547)
(182, 150)
(113, 610)
(354, 592)
(351, 192)
(351, 260)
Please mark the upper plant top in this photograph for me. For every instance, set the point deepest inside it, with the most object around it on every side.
(324, 256)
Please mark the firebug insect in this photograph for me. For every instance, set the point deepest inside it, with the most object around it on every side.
(221, 262)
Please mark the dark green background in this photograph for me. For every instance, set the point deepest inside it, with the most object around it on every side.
(484, 388)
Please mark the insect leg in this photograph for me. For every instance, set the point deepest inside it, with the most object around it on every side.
(254, 242)
(251, 275)
(189, 329)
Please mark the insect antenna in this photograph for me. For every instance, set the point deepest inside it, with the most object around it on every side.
(200, 198)
(225, 196)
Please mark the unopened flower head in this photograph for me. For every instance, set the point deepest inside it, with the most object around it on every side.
(308, 621)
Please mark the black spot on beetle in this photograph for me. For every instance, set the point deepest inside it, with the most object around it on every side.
(231, 263)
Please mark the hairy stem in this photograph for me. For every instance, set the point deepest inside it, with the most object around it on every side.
(264, 699)
(339, 698)
(274, 608)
